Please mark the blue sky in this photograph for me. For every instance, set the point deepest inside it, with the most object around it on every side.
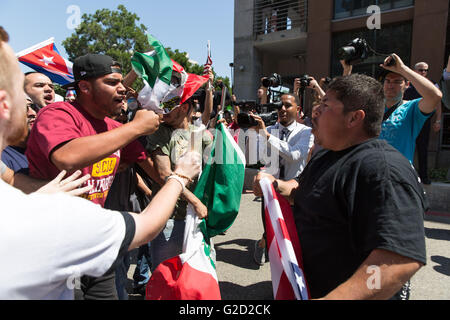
(191, 24)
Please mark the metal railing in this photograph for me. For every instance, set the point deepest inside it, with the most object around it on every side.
(278, 15)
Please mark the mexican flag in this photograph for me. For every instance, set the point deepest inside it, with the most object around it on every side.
(221, 183)
(164, 79)
(192, 275)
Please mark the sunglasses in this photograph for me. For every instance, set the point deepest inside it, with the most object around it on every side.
(170, 105)
(422, 70)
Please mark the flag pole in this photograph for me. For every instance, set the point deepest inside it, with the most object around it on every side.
(209, 85)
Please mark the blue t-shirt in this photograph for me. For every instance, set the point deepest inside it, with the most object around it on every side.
(401, 129)
(15, 159)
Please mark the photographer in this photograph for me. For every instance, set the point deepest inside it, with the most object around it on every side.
(300, 84)
(289, 143)
(311, 83)
(403, 120)
(261, 94)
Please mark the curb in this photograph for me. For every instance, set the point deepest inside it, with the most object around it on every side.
(437, 216)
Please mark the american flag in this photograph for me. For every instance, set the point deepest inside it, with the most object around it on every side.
(209, 61)
(286, 266)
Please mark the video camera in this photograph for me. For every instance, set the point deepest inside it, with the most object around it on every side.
(357, 51)
(246, 121)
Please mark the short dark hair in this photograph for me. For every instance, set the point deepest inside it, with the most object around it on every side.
(296, 97)
(361, 92)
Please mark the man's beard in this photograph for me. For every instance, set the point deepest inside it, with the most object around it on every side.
(111, 113)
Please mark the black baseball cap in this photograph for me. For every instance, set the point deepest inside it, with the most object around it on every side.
(92, 66)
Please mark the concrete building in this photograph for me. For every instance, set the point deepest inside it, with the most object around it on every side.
(296, 37)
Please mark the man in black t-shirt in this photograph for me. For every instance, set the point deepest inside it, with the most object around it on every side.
(358, 205)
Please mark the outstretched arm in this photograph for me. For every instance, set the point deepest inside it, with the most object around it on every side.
(153, 218)
(29, 185)
(163, 168)
(82, 152)
(346, 68)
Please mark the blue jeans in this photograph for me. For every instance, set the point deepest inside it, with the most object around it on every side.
(121, 277)
(141, 273)
(168, 243)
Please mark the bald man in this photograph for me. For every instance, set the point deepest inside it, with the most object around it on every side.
(39, 88)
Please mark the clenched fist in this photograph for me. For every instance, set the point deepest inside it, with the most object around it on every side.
(146, 121)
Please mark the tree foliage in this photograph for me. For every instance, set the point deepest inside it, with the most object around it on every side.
(114, 33)
(118, 34)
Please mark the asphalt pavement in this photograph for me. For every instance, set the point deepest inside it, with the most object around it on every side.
(242, 279)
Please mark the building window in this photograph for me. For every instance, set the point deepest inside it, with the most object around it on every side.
(279, 15)
(354, 8)
(395, 38)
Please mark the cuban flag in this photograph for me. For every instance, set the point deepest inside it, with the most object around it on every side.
(45, 58)
(285, 254)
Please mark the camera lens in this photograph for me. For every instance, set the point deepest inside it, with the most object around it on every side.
(273, 81)
(346, 53)
(354, 52)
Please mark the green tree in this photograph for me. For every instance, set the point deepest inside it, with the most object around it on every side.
(114, 33)
(59, 90)
(119, 34)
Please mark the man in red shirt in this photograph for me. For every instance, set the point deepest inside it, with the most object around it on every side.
(81, 136)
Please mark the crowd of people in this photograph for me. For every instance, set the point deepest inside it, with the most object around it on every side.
(346, 169)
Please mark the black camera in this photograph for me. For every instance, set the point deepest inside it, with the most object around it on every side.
(273, 81)
(270, 116)
(305, 81)
(354, 52)
(359, 50)
(246, 121)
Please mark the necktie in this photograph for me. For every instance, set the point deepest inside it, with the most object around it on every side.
(283, 137)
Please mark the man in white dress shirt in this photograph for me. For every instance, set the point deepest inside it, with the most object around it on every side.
(285, 151)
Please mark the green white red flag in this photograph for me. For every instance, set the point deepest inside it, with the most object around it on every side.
(166, 83)
(192, 275)
(221, 183)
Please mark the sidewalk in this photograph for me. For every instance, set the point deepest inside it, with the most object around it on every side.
(439, 202)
